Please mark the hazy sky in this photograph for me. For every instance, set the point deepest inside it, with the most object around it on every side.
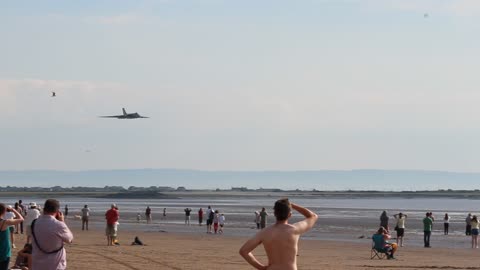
(243, 85)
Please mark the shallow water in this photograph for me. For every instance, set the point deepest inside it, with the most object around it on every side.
(340, 218)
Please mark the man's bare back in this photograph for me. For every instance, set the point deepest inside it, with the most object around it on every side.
(279, 240)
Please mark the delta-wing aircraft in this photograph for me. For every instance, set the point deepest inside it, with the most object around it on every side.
(125, 115)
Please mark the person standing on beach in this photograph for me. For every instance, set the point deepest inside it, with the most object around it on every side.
(209, 219)
(32, 215)
(49, 233)
(85, 217)
(446, 223)
(10, 215)
(427, 230)
(200, 217)
(400, 228)
(5, 245)
(66, 211)
(257, 219)
(164, 213)
(22, 211)
(112, 216)
(468, 221)
(187, 216)
(475, 228)
(384, 221)
(215, 221)
(148, 215)
(280, 240)
(263, 218)
(221, 222)
(19, 210)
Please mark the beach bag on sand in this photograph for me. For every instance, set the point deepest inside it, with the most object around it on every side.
(38, 244)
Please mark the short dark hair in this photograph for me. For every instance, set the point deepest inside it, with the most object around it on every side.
(51, 206)
(3, 207)
(282, 209)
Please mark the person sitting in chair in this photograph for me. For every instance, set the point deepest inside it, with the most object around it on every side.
(380, 239)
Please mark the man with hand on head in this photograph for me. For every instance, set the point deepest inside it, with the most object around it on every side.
(49, 233)
(280, 240)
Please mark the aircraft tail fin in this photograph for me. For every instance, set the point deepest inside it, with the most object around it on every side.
(124, 112)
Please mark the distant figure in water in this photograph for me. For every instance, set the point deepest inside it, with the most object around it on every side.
(384, 221)
(66, 210)
(257, 219)
(139, 217)
(200, 217)
(164, 213)
(148, 215)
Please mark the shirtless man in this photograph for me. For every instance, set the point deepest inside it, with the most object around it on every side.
(280, 240)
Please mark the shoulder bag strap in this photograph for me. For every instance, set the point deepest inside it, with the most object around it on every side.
(38, 245)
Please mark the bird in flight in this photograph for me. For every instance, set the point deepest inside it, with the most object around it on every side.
(54, 94)
(125, 115)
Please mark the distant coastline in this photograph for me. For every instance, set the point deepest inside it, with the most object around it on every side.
(171, 193)
(324, 180)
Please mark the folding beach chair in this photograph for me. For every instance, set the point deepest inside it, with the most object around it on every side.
(378, 252)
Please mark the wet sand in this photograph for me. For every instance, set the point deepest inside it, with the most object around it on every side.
(202, 251)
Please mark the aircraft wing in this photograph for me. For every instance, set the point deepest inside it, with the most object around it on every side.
(111, 116)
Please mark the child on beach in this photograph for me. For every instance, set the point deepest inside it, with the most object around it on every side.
(221, 221)
(215, 221)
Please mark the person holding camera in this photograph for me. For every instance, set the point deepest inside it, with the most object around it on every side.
(49, 233)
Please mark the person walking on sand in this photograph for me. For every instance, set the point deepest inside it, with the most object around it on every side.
(475, 228)
(446, 223)
(384, 221)
(468, 221)
(263, 218)
(148, 215)
(427, 230)
(200, 217)
(400, 228)
(280, 240)
(5, 245)
(111, 216)
(85, 217)
(49, 233)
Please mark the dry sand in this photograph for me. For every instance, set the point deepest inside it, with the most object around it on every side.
(187, 251)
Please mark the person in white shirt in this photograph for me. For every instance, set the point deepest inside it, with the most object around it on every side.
(221, 221)
(10, 215)
(400, 228)
(32, 214)
(446, 223)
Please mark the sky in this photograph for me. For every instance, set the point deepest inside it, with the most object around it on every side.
(240, 85)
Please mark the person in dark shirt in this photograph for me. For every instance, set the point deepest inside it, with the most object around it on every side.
(187, 216)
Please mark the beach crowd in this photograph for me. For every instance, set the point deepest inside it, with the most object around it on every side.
(47, 232)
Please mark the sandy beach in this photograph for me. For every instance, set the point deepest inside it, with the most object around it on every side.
(177, 251)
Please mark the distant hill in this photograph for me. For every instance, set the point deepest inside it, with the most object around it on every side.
(196, 179)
